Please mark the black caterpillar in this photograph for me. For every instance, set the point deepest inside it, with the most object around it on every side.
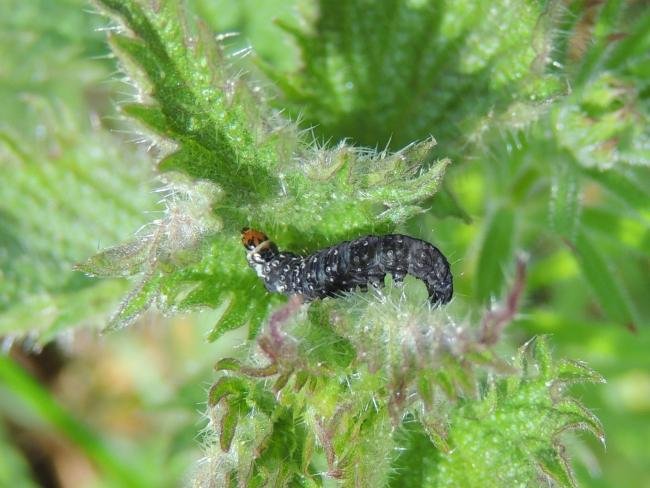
(358, 263)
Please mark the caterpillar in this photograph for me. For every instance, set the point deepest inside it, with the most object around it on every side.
(350, 264)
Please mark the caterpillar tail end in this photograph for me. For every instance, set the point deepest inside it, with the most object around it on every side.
(441, 293)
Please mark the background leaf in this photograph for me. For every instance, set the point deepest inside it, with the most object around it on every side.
(496, 254)
(63, 194)
(604, 282)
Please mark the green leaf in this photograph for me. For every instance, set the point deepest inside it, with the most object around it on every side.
(496, 254)
(570, 372)
(581, 417)
(447, 204)
(139, 299)
(557, 468)
(416, 459)
(518, 426)
(389, 73)
(625, 185)
(150, 116)
(60, 198)
(227, 364)
(226, 386)
(606, 286)
(228, 425)
(437, 433)
(217, 141)
(542, 356)
(234, 316)
(565, 201)
(123, 260)
(57, 57)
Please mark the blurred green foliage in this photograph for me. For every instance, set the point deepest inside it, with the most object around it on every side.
(545, 118)
(68, 186)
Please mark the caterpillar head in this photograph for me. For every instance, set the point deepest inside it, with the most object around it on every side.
(252, 238)
(260, 248)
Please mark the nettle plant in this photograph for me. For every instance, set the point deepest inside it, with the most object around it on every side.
(377, 388)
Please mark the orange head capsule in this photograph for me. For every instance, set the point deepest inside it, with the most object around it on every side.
(252, 238)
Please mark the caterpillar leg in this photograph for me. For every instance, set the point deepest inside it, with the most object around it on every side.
(376, 281)
(398, 277)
